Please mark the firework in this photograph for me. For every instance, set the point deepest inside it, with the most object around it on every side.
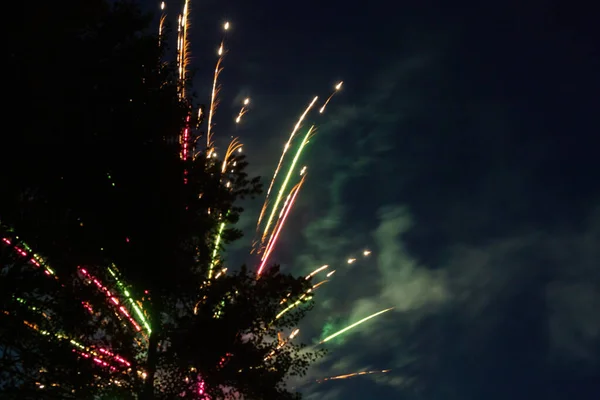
(346, 329)
(214, 102)
(243, 110)
(353, 374)
(281, 222)
(183, 46)
(308, 135)
(285, 149)
(161, 22)
(316, 271)
(336, 89)
(234, 145)
(215, 250)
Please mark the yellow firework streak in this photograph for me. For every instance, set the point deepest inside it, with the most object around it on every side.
(234, 145)
(285, 149)
(336, 89)
(161, 23)
(316, 271)
(215, 93)
(183, 45)
(353, 374)
(319, 284)
(243, 111)
(305, 141)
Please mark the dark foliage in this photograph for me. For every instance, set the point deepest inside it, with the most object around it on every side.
(91, 178)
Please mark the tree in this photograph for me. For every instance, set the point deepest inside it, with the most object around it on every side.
(96, 186)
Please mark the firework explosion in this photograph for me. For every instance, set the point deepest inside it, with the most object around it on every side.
(289, 176)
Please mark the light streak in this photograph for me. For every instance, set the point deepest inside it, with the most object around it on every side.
(285, 149)
(319, 284)
(353, 374)
(214, 102)
(328, 338)
(316, 271)
(234, 145)
(112, 299)
(336, 89)
(215, 250)
(274, 237)
(296, 303)
(287, 178)
(243, 111)
(134, 305)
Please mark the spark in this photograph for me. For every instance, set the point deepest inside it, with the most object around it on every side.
(336, 89)
(367, 253)
(328, 338)
(353, 374)
(112, 299)
(351, 260)
(295, 304)
(234, 145)
(213, 259)
(287, 178)
(294, 333)
(243, 111)
(183, 46)
(316, 271)
(331, 273)
(295, 190)
(319, 284)
(285, 149)
(127, 295)
(214, 102)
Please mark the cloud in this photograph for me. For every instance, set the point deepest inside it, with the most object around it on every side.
(405, 284)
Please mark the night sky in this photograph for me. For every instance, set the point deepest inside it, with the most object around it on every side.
(463, 151)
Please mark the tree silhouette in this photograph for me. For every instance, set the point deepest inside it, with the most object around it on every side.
(93, 182)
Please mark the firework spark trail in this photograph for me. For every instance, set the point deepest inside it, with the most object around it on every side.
(183, 46)
(161, 23)
(185, 139)
(282, 342)
(234, 145)
(336, 89)
(308, 135)
(243, 110)
(285, 149)
(116, 302)
(215, 250)
(35, 259)
(135, 306)
(284, 210)
(316, 271)
(295, 304)
(319, 284)
(38, 261)
(215, 93)
(273, 239)
(328, 338)
(353, 374)
(85, 351)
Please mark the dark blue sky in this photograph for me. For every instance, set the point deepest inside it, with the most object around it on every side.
(464, 152)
